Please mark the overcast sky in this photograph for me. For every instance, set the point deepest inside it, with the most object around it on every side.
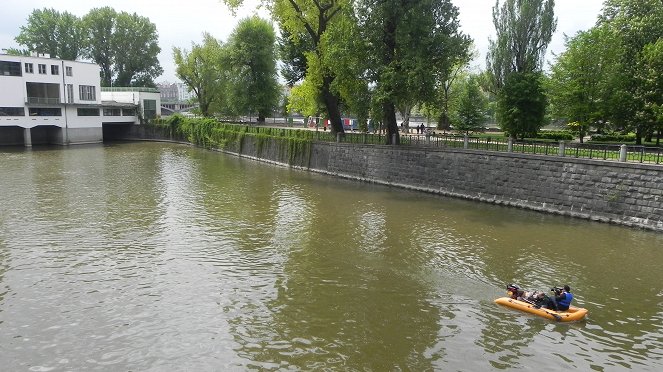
(181, 22)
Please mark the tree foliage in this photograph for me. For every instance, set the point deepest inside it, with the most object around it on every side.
(639, 27)
(252, 58)
(524, 29)
(610, 75)
(305, 23)
(60, 34)
(577, 85)
(124, 45)
(521, 104)
(470, 112)
(410, 43)
(204, 70)
(292, 55)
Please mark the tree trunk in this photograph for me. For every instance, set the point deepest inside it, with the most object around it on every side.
(388, 56)
(406, 118)
(389, 112)
(331, 103)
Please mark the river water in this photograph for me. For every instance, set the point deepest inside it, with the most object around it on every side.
(160, 257)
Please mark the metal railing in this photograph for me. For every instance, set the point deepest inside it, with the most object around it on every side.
(611, 152)
(44, 100)
(130, 89)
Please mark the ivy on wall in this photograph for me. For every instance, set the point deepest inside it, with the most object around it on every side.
(211, 134)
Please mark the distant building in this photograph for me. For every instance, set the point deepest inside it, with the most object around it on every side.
(52, 101)
(184, 94)
(168, 92)
(145, 103)
(174, 92)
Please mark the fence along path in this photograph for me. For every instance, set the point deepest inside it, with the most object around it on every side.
(614, 152)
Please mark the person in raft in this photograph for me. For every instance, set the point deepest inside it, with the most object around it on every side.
(563, 298)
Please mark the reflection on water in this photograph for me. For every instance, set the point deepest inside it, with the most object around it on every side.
(163, 257)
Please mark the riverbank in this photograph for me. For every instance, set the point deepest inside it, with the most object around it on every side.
(627, 194)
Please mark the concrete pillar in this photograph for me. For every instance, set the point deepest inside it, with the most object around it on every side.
(562, 149)
(338, 137)
(393, 139)
(623, 151)
(466, 142)
(27, 137)
(510, 144)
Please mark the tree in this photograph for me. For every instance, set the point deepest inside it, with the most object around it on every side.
(49, 31)
(407, 40)
(577, 83)
(635, 26)
(255, 88)
(204, 71)
(521, 104)
(524, 29)
(137, 49)
(345, 52)
(309, 20)
(472, 107)
(292, 55)
(445, 93)
(124, 45)
(653, 65)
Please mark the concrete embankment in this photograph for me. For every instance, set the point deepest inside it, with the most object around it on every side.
(628, 194)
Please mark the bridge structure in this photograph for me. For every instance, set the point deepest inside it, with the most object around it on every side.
(169, 108)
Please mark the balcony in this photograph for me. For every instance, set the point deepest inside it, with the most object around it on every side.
(42, 94)
(44, 100)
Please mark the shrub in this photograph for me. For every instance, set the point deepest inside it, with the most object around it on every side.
(558, 135)
(613, 137)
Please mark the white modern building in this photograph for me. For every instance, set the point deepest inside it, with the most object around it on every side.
(52, 101)
(136, 105)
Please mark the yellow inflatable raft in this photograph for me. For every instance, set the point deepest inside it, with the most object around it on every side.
(571, 315)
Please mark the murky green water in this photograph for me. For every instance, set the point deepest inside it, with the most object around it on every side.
(156, 257)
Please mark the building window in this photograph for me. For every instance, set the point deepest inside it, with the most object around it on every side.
(44, 111)
(42, 69)
(88, 112)
(70, 93)
(12, 111)
(55, 70)
(8, 68)
(150, 108)
(29, 68)
(112, 112)
(43, 93)
(128, 112)
(69, 71)
(87, 93)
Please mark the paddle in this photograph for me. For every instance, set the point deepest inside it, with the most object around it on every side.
(557, 317)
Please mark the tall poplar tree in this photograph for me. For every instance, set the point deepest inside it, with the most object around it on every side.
(253, 76)
(524, 29)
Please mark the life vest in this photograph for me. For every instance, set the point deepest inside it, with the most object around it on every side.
(566, 302)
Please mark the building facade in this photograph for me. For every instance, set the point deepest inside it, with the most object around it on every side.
(52, 101)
